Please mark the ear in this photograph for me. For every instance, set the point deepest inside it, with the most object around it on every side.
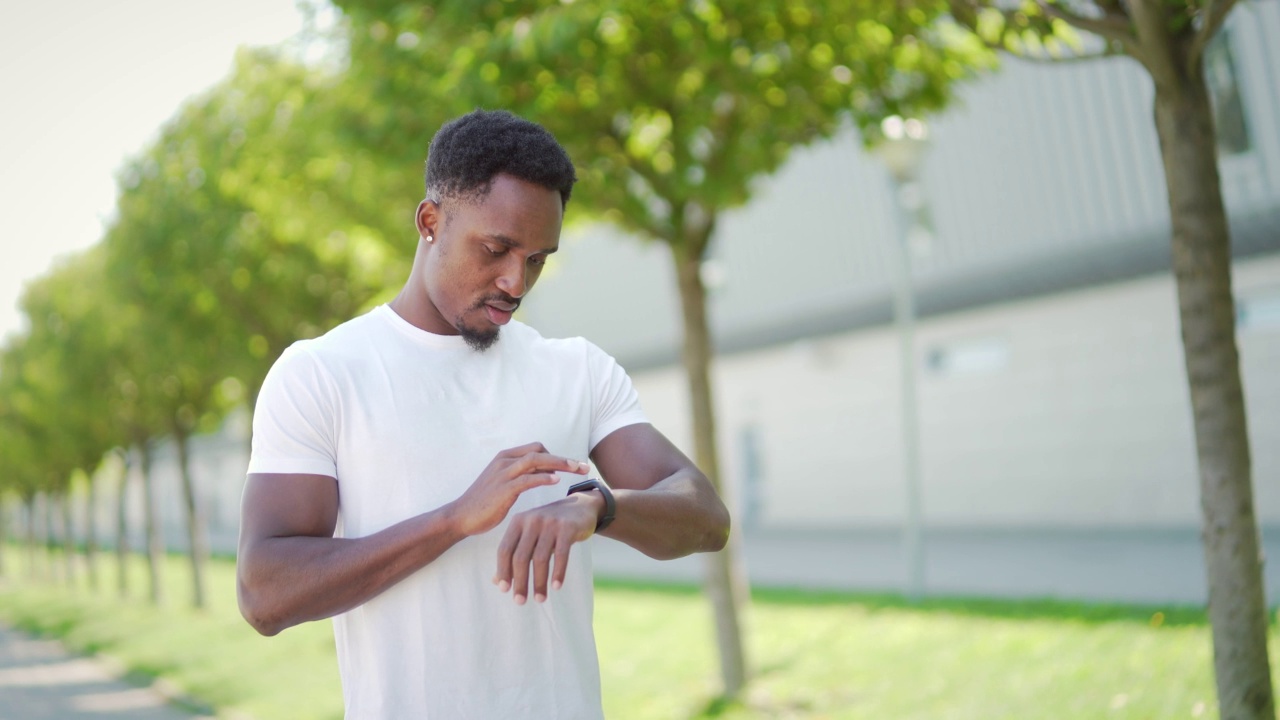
(428, 218)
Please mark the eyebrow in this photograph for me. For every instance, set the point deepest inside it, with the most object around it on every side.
(509, 242)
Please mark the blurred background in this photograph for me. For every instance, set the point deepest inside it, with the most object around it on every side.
(934, 258)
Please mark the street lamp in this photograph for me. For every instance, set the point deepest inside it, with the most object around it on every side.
(902, 148)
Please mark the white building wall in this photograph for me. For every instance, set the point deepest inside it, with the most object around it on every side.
(1087, 424)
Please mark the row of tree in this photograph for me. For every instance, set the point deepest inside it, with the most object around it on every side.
(246, 225)
(278, 204)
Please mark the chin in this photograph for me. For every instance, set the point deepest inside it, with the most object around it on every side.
(478, 340)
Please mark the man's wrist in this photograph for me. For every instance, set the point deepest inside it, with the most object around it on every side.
(594, 499)
(596, 488)
(456, 527)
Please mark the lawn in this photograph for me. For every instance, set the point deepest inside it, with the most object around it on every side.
(814, 655)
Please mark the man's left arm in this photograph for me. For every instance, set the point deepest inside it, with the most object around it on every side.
(666, 508)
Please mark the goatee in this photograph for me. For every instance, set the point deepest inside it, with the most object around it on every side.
(478, 340)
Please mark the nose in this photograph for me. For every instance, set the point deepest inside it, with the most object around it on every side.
(512, 279)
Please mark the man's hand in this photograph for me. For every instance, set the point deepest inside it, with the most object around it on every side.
(484, 505)
(535, 536)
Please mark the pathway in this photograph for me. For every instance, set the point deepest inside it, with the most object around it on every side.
(40, 680)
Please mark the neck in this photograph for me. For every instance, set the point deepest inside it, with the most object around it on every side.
(414, 304)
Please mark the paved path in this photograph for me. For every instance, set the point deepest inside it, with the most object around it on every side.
(40, 680)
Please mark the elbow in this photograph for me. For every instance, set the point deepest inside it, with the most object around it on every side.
(255, 611)
(716, 522)
(717, 535)
(711, 534)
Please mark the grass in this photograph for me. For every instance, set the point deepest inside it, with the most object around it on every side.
(815, 655)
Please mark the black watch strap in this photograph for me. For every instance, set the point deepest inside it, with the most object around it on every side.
(610, 505)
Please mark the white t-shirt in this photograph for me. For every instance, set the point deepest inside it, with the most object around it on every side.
(406, 421)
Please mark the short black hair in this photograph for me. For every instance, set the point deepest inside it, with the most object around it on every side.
(467, 152)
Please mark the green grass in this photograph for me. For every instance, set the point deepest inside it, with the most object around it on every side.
(814, 655)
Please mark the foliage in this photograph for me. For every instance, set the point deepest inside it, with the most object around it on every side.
(53, 379)
(21, 471)
(671, 110)
(245, 228)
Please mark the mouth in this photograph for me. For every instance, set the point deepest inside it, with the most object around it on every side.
(500, 312)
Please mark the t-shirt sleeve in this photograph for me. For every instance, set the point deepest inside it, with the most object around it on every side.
(293, 421)
(616, 403)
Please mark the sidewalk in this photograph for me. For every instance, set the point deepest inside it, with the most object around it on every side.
(40, 680)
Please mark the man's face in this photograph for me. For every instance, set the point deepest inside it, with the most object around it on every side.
(486, 254)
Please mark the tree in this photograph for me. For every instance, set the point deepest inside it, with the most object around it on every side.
(57, 393)
(133, 410)
(233, 236)
(178, 362)
(19, 468)
(1168, 40)
(671, 111)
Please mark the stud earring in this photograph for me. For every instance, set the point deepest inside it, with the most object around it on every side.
(430, 238)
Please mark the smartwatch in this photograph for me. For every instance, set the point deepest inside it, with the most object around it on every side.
(610, 506)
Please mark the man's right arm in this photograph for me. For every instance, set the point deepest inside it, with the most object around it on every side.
(290, 568)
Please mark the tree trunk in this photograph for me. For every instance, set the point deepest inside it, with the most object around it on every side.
(68, 538)
(197, 541)
(91, 534)
(155, 543)
(33, 537)
(50, 537)
(1202, 266)
(4, 534)
(122, 530)
(723, 582)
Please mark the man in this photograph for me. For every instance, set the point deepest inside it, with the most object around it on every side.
(413, 466)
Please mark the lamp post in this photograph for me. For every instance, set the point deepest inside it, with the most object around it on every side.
(902, 149)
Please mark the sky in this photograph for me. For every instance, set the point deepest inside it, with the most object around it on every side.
(85, 85)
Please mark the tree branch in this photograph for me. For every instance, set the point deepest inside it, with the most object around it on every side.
(1211, 19)
(1111, 27)
(1153, 45)
(1050, 60)
(1113, 49)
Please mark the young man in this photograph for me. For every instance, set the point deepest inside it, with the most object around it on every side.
(414, 471)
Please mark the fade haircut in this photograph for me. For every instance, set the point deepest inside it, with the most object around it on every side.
(467, 152)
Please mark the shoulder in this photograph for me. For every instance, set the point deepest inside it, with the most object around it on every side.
(343, 343)
(321, 362)
(578, 350)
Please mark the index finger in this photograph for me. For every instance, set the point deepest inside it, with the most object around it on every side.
(546, 462)
(519, 450)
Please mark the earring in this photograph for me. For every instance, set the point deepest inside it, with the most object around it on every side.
(430, 238)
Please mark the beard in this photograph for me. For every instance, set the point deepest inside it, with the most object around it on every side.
(477, 339)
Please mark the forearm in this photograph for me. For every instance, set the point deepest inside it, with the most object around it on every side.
(675, 517)
(284, 581)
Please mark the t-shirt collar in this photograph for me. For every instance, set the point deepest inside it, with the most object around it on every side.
(417, 334)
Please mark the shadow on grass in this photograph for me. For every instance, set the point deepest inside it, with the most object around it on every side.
(718, 706)
(723, 705)
(1020, 609)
